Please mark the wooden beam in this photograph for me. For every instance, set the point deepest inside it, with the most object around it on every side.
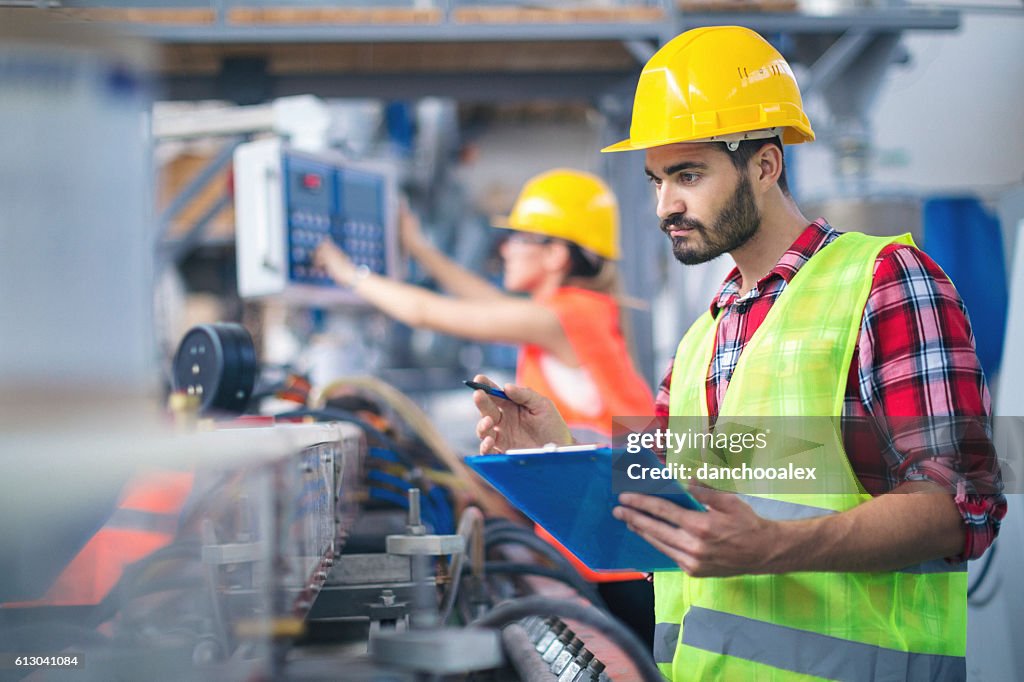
(331, 15)
(712, 6)
(140, 15)
(443, 57)
(556, 15)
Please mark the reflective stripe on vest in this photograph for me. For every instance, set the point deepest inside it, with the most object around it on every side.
(811, 653)
(145, 520)
(666, 635)
(810, 624)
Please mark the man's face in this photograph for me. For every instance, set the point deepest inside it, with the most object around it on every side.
(705, 204)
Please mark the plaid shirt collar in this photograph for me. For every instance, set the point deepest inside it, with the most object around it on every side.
(811, 240)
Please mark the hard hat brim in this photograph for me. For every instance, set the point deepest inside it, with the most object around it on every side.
(790, 134)
(627, 145)
(623, 146)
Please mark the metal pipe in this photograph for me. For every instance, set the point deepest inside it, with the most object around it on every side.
(477, 554)
(415, 519)
(471, 527)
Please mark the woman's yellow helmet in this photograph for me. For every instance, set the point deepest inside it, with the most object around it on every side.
(571, 205)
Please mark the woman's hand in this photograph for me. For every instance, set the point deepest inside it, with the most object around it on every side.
(335, 262)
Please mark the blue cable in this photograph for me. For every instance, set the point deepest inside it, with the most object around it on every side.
(389, 496)
(389, 479)
(385, 454)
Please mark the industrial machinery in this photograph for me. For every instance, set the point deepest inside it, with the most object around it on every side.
(347, 546)
(287, 201)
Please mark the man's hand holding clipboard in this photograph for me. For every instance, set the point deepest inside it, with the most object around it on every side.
(729, 538)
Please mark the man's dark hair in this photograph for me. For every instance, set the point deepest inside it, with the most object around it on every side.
(748, 148)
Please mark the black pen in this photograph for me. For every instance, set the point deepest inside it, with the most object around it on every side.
(489, 390)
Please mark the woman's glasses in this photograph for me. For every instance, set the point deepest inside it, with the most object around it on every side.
(516, 237)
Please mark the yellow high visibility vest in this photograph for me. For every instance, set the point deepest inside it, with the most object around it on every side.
(909, 624)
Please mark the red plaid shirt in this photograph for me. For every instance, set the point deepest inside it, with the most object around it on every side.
(915, 356)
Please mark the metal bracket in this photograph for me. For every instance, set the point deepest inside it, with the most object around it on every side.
(233, 553)
(439, 651)
(425, 545)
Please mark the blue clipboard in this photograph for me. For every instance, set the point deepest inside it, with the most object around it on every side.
(571, 493)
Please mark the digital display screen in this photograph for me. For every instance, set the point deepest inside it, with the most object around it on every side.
(362, 197)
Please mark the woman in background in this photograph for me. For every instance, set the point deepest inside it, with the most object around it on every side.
(562, 243)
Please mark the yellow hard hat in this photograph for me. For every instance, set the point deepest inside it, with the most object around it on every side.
(571, 205)
(720, 83)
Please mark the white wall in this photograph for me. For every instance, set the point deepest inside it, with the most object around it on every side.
(951, 119)
(510, 153)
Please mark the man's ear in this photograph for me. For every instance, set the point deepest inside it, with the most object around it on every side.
(766, 165)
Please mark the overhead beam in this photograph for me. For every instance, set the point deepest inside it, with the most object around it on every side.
(466, 87)
(875, 18)
(836, 58)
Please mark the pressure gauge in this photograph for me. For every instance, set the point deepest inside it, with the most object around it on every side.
(217, 364)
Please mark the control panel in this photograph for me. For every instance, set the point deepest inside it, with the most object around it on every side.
(287, 202)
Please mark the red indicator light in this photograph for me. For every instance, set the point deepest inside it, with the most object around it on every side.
(312, 181)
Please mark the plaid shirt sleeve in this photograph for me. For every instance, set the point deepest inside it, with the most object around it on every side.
(916, 356)
(661, 405)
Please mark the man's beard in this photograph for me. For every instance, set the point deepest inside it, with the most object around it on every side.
(736, 224)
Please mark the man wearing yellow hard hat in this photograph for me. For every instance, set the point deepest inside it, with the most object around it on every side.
(857, 582)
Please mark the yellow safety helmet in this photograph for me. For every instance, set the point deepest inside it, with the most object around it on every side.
(720, 83)
(571, 205)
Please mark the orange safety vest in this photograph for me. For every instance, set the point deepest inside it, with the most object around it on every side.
(145, 520)
(590, 320)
